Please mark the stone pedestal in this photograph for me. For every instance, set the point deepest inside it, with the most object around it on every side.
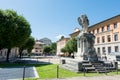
(85, 46)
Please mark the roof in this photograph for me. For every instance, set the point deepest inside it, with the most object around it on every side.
(63, 39)
(74, 32)
(97, 23)
(104, 21)
(38, 42)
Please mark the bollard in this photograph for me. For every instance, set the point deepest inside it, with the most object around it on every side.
(117, 71)
(23, 72)
(84, 69)
(106, 70)
(116, 66)
(57, 71)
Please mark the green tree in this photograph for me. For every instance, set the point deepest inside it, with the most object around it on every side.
(68, 47)
(71, 46)
(28, 45)
(14, 30)
(64, 50)
(53, 48)
(47, 49)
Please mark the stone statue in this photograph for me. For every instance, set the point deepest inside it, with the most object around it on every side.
(84, 22)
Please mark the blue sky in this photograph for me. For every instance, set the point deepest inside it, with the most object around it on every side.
(52, 18)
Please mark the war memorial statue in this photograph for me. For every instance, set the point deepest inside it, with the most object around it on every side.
(86, 58)
(85, 41)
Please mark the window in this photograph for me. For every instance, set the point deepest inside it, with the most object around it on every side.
(98, 40)
(108, 38)
(109, 49)
(115, 25)
(103, 50)
(36, 50)
(98, 50)
(108, 27)
(98, 30)
(116, 48)
(103, 39)
(102, 29)
(115, 36)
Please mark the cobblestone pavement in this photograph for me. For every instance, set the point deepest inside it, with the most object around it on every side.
(115, 77)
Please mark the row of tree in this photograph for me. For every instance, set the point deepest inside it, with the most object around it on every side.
(70, 47)
(14, 32)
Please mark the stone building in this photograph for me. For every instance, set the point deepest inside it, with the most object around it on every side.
(107, 36)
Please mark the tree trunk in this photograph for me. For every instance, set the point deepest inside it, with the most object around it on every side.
(20, 53)
(8, 53)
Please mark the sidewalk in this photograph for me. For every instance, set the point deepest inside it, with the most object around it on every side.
(115, 77)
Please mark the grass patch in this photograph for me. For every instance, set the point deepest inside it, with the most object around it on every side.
(50, 71)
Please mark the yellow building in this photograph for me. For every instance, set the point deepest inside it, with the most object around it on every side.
(107, 35)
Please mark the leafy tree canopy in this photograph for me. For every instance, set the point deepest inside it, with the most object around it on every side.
(14, 30)
(47, 49)
(71, 46)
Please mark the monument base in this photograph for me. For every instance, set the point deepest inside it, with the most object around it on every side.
(80, 66)
(71, 64)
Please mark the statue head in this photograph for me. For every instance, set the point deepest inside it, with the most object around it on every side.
(83, 20)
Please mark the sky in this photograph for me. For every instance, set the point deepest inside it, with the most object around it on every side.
(53, 18)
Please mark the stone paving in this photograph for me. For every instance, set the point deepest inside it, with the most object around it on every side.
(115, 77)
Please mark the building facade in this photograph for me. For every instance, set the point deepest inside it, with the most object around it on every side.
(107, 36)
(61, 44)
(12, 56)
(38, 48)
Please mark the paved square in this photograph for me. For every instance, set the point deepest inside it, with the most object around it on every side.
(12, 73)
